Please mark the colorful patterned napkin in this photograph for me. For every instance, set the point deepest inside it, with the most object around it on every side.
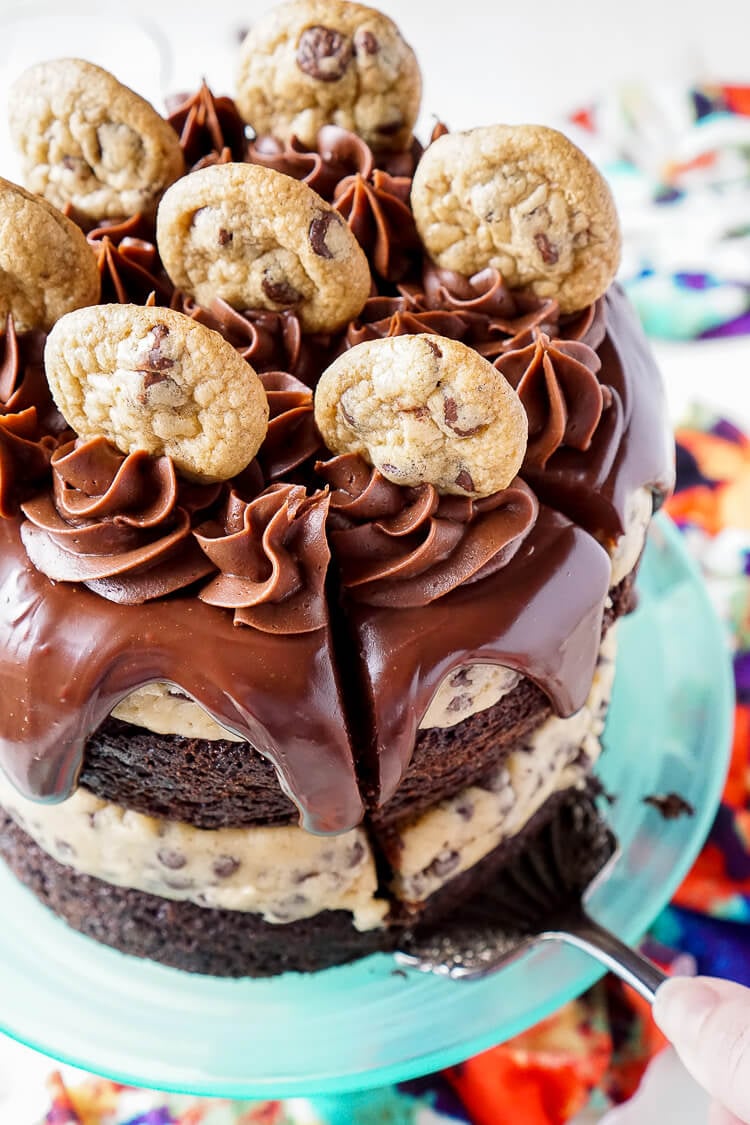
(678, 160)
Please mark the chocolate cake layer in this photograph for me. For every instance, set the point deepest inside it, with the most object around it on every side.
(217, 942)
(224, 942)
(218, 784)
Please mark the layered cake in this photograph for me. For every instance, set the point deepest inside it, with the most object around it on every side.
(326, 465)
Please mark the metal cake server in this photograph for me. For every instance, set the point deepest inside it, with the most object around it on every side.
(538, 896)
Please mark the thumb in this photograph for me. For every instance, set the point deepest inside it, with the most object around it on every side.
(708, 1021)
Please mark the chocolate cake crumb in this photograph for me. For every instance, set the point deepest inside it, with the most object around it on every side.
(671, 805)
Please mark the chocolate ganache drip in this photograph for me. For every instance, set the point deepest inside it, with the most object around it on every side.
(557, 383)
(273, 557)
(210, 128)
(129, 262)
(119, 524)
(409, 546)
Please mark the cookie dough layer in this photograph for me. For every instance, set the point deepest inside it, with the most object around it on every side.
(225, 942)
(282, 874)
(219, 942)
(450, 838)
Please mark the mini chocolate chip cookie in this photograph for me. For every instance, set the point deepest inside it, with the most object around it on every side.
(47, 267)
(311, 63)
(525, 200)
(424, 409)
(258, 239)
(87, 140)
(153, 379)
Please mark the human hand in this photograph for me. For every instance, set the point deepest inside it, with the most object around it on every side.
(708, 1022)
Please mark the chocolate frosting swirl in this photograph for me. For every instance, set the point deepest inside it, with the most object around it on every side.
(377, 211)
(30, 423)
(557, 383)
(23, 383)
(337, 155)
(410, 546)
(269, 341)
(499, 319)
(120, 524)
(210, 128)
(480, 311)
(24, 458)
(273, 557)
(292, 438)
(129, 262)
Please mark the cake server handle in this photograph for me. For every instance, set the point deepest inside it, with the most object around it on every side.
(584, 933)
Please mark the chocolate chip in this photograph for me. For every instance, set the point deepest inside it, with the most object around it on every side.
(280, 292)
(324, 53)
(443, 864)
(463, 480)
(671, 806)
(156, 360)
(433, 347)
(465, 810)
(179, 884)
(69, 162)
(63, 848)
(225, 237)
(420, 412)
(364, 40)
(225, 866)
(550, 253)
(355, 854)
(348, 418)
(170, 858)
(497, 782)
(450, 413)
(150, 378)
(318, 231)
(285, 912)
(459, 703)
(461, 678)
(394, 470)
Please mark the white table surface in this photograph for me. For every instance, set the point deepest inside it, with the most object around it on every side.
(483, 62)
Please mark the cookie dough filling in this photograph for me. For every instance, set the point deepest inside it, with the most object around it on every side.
(282, 873)
(457, 833)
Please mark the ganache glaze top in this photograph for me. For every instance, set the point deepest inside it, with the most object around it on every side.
(235, 583)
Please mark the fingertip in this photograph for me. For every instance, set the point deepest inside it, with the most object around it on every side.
(718, 1115)
(681, 1006)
